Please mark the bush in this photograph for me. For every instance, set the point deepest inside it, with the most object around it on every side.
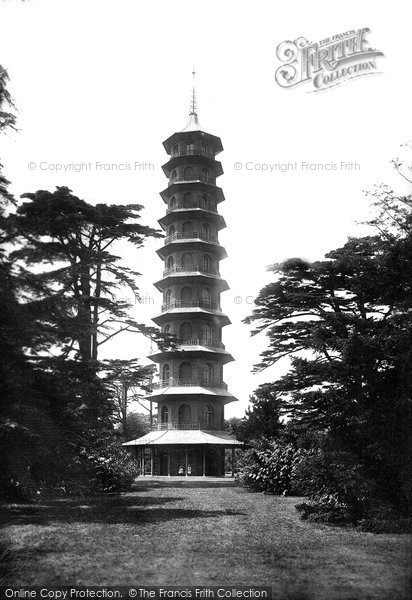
(105, 468)
(271, 470)
(338, 488)
(33, 471)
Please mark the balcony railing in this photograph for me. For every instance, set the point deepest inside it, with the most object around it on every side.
(177, 425)
(189, 205)
(193, 152)
(190, 304)
(200, 342)
(191, 269)
(172, 382)
(194, 177)
(181, 235)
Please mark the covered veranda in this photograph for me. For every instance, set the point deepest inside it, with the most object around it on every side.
(184, 453)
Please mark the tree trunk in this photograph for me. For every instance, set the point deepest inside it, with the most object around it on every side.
(97, 294)
(124, 409)
(85, 321)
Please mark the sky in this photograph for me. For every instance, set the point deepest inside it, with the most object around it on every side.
(103, 83)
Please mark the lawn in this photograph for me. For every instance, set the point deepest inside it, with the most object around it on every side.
(181, 532)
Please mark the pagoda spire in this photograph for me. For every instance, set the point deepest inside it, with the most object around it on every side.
(193, 123)
(193, 104)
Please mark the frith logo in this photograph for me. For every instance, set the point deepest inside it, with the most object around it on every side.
(327, 63)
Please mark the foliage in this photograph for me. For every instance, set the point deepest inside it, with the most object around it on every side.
(271, 469)
(138, 425)
(68, 273)
(58, 305)
(346, 325)
(7, 122)
(337, 484)
(128, 382)
(107, 466)
(262, 419)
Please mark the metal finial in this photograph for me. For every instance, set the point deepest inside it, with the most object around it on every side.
(193, 104)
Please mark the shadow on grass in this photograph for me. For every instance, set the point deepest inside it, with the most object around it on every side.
(148, 483)
(104, 509)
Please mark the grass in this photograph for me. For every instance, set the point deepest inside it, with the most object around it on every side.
(174, 532)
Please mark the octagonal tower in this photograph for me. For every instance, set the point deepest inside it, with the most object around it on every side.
(190, 438)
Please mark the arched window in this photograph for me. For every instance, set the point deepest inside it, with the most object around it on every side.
(185, 372)
(205, 201)
(170, 262)
(187, 260)
(166, 372)
(205, 175)
(168, 297)
(206, 333)
(207, 262)
(207, 374)
(164, 414)
(188, 200)
(172, 230)
(188, 174)
(205, 149)
(189, 147)
(174, 174)
(206, 297)
(184, 413)
(187, 227)
(206, 230)
(208, 415)
(173, 202)
(186, 294)
(166, 329)
(185, 331)
(176, 149)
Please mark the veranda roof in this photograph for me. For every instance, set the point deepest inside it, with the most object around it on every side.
(184, 436)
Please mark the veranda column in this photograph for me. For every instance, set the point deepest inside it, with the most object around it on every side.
(168, 462)
(204, 461)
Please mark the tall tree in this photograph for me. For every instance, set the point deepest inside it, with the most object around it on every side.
(346, 323)
(128, 381)
(263, 416)
(7, 122)
(66, 259)
(22, 411)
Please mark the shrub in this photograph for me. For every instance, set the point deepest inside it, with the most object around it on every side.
(33, 472)
(105, 468)
(336, 485)
(270, 470)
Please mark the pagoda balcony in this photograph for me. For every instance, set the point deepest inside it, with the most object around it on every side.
(193, 152)
(181, 235)
(197, 342)
(195, 177)
(190, 304)
(189, 205)
(177, 425)
(172, 382)
(191, 269)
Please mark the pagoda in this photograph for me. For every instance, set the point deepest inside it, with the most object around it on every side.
(189, 437)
